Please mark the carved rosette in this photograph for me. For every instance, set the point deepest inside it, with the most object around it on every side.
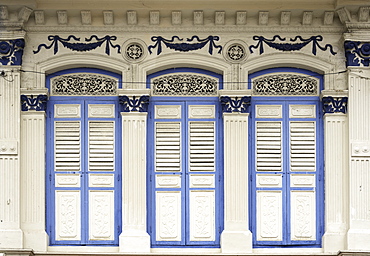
(357, 53)
(31, 102)
(134, 103)
(334, 104)
(11, 52)
(235, 104)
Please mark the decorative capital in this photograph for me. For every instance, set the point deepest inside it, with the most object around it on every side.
(357, 53)
(334, 105)
(234, 104)
(134, 104)
(31, 102)
(11, 52)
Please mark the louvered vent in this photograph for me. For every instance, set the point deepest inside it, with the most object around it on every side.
(101, 146)
(268, 146)
(167, 147)
(67, 146)
(202, 146)
(302, 146)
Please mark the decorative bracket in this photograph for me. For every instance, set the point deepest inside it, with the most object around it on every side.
(11, 52)
(30, 102)
(132, 104)
(334, 105)
(234, 104)
(357, 53)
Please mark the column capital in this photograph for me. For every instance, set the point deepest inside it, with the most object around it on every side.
(357, 53)
(235, 104)
(31, 102)
(132, 103)
(332, 104)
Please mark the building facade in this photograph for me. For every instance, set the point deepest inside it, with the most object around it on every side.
(151, 127)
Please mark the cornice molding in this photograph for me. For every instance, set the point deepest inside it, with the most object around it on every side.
(199, 29)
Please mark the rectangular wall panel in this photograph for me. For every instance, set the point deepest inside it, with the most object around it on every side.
(269, 216)
(168, 216)
(303, 215)
(67, 215)
(101, 215)
(202, 215)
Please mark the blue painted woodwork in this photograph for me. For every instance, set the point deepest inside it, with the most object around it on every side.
(185, 189)
(11, 52)
(84, 189)
(290, 46)
(80, 47)
(185, 47)
(357, 53)
(286, 173)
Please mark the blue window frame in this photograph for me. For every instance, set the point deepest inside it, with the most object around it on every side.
(83, 169)
(286, 169)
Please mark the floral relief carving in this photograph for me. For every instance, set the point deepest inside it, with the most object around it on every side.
(269, 217)
(303, 217)
(202, 216)
(83, 84)
(185, 84)
(168, 217)
(68, 216)
(285, 84)
(101, 220)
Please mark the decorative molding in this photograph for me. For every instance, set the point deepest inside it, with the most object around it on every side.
(131, 18)
(83, 84)
(39, 17)
(80, 47)
(235, 104)
(86, 17)
(263, 18)
(219, 18)
(62, 17)
(4, 13)
(363, 14)
(241, 18)
(344, 15)
(184, 84)
(285, 18)
(108, 17)
(11, 52)
(307, 18)
(357, 53)
(134, 104)
(134, 50)
(154, 18)
(24, 14)
(334, 104)
(235, 51)
(198, 17)
(176, 18)
(284, 84)
(328, 18)
(29, 102)
(185, 47)
(290, 46)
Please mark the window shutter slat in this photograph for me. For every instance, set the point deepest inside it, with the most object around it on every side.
(101, 146)
(202, 146)
(167, 147)
(67, 146)
(268, 146)
(302, 146)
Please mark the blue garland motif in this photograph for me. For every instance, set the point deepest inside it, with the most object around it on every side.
(80, 47)
(356, 53)
(134, 104)
(290, 46)
(185, 47)
(32, 103)
(334, 105)
(230, 105)
(11, 52)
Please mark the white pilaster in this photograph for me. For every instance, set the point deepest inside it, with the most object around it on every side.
(33, 180)
(336, 185)
(236, 237)
(10, 233)
(358, 235)
(134, 237)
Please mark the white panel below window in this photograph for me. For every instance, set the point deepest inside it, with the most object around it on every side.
(202, 215)
(101, 215)
(303, 215)
(67, 215)
(168, 216)
(269, 216)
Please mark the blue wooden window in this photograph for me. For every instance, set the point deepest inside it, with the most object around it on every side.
(286, 169)
(83, 170)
